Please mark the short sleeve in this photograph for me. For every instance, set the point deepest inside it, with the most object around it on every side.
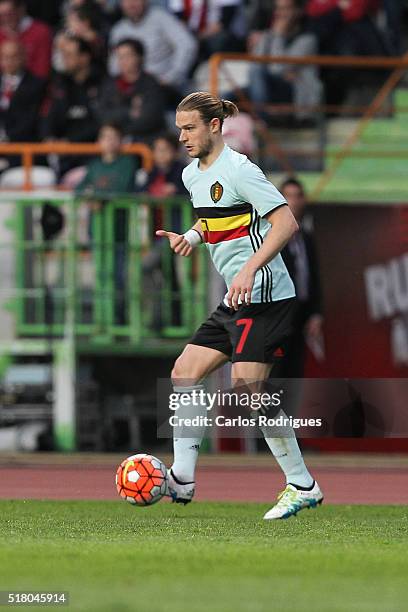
(185, 178)
(253, 187)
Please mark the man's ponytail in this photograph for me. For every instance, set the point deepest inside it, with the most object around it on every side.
(229, 109)
(209, 106)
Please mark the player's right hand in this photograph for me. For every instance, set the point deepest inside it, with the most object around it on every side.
(178, 243)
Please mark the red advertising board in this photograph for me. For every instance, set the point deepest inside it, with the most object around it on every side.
(363, 253)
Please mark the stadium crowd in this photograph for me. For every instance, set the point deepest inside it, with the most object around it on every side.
(70, 66)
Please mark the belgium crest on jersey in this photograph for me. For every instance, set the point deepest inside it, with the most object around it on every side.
(216, 192)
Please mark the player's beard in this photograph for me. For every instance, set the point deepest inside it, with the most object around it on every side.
(206, 148)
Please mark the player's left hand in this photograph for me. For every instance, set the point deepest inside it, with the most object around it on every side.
(241, 289)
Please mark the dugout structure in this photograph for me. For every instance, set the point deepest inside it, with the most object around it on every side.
(101, 284)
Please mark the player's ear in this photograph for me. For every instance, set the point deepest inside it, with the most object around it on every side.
(215, 125)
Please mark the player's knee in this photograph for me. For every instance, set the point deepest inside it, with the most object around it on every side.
(184, 373)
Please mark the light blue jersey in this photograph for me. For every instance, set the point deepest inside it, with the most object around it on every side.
(231, 199)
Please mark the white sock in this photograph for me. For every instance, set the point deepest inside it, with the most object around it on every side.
(287, 453)
(187, 440)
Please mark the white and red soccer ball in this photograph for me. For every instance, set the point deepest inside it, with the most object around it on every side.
(141, 479)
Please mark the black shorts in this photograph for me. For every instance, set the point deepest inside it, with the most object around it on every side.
(258, 332)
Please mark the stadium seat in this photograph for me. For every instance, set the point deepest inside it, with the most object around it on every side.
(41, 177)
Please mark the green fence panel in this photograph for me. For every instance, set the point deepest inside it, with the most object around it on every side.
(107, 272)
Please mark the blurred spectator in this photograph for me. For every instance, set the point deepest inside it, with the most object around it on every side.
(351, 10)
(34, 35)
(84, 19)
(283, 83)
(199, 16)
(101, 16)
(170, 48)
(165, 177)
(110, 175)
(21, 94)
(164, 181)
(259, 19)
(83, 22)
(392, 11)
(301, 260)
(134, 99)
(73, 112)
(346, 27)
(218, 24)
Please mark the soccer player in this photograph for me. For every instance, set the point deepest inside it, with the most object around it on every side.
(244, 222)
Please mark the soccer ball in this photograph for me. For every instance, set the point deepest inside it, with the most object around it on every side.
(141, 479)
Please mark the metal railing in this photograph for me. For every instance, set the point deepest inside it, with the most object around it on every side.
(106, 272)
(330, 61)
(29, 150)
(334, 158)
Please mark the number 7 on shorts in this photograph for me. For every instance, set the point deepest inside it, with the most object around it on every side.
(247, 323)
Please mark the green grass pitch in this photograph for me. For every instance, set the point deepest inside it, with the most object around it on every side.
(213, 557)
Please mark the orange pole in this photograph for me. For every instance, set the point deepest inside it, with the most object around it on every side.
(28, 166)
(374, 107)
(317, 60)
(27, 151)
(214, 64)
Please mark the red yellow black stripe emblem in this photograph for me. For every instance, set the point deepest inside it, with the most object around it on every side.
(225, 228)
